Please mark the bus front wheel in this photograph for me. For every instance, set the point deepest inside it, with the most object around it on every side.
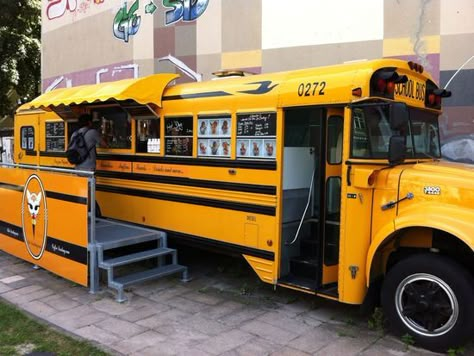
(430, 298)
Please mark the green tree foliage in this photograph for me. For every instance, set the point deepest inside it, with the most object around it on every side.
(20, 55)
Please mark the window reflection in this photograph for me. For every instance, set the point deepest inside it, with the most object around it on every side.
(115, 127)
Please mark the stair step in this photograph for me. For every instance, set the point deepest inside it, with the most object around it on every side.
(310, 284)
(309, 248)
(304, 267)
(135, 257)
(143, 276)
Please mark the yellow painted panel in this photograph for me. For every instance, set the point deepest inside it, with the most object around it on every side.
(46, 220)
(265, 269)
(64, 267)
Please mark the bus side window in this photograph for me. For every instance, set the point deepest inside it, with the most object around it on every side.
(360, 139)
(335, 140)
(28, 138)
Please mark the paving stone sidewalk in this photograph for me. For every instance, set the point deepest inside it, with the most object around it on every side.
(224, 310)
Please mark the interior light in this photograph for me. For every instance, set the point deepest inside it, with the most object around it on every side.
(431, 99)
(381, 85)
(390, 87)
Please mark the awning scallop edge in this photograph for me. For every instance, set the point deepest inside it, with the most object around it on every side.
(144, 91)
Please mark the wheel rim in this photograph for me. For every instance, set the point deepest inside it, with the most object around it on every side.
(426, 304)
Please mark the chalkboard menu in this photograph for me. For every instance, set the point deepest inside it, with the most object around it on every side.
(259, 124)
(179, 126)
(55, 129)
(55, 140)
(256, 135)
(179, 146)
(179, 136)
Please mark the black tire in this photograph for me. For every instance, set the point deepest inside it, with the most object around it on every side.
(431, 298)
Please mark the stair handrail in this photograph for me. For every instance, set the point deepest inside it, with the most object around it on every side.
(305, 210)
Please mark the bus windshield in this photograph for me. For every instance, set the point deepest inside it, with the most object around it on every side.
(371, 133)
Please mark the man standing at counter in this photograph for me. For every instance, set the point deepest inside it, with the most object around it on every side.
(92, 138)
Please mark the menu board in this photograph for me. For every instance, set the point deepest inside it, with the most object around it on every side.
(55, 140)
(179, 126)
(214, 135)
(259, 124)
(179, 136)
(179, 146)
(256, 135)
(55, 129)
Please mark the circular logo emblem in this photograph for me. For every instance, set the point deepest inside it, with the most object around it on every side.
(34, 217)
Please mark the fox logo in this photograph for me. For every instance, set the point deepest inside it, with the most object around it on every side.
(34, 217)
(34, 202)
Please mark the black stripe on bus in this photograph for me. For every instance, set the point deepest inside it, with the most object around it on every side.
(67, 250)
(220, 246)
(52, 154)
(248, 188)
(58, 247)
(210, 94)
(12, 231)
(250, 208)
(49, 194)
(270, 165)
(18, 188)
(31, 153)
(66, 197)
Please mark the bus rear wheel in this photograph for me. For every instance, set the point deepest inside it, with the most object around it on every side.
(430, 298)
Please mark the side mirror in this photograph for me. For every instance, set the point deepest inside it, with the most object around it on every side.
(398, 116)
(397, 149)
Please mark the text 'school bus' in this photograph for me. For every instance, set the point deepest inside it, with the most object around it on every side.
(326, 180)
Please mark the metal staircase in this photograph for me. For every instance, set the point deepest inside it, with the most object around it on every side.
(119, 244)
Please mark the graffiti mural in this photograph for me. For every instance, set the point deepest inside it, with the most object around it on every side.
(127, 23)
(186, 10)
(57, 8)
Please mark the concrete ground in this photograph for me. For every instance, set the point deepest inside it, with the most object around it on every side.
(224, 310)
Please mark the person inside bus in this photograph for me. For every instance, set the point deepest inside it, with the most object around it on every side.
(92, 138)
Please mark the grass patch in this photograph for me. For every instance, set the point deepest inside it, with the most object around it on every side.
(20, 334)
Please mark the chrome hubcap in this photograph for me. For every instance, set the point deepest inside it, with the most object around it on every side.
(426, 304)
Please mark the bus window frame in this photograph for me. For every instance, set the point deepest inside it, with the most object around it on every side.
(27, 146)
(218, 136)
(190, 117)
(340, 135)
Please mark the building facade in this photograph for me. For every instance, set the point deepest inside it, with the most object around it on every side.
(92, 41)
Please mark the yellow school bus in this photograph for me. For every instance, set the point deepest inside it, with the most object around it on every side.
(326, 180)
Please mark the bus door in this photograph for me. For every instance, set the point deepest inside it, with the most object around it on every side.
(301, 214)
(312, 165)
(26, 149)
(332, 199)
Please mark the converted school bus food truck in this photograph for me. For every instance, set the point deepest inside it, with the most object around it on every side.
(326, 180)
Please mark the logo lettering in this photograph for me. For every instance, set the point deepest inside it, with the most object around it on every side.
(432, 190)
(187, 10)
(127, 23)
(411, 89)
(57, 8)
